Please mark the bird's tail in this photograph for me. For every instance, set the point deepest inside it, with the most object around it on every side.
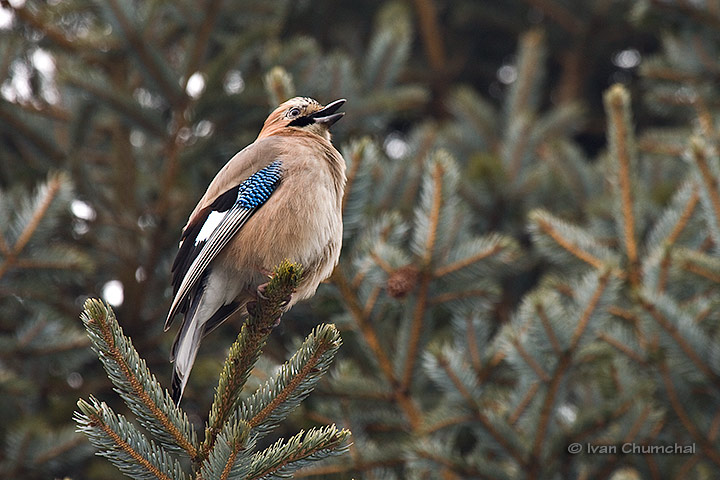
(183, 353)
(194, 328)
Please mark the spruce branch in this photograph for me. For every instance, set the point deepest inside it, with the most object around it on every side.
(355, 156)
(573, 240)
(623, 154)
(452, 374)
(471, 337)
(278, 85)
(595, 289)
(431, 35)
(202, 39)
(263, 316)
(416, 330)
(363, 321)
(669, 317)
(229, 456)
(233, 427)
(698, 263)
(524, 403)
(623, 348)
(141, 391)
(295, 380)
(388, 50)
(283, 458)
(361, 316)
(123, 444)
(522, 97)
(708, 174)
(436, 201)
(470, 256)
(475, 114)
(541, 313)
(34, 136)
(116, 99)
(148, 57)
(42, 203)
(695, 432)
(669, 227)
(428, 214)
(516, 146)
(361, 157)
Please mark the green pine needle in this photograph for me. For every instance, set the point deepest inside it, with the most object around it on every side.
(141, 391)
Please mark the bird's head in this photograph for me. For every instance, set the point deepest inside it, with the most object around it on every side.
(303, 114)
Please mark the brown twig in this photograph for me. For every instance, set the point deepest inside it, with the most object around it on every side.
(554, 342)
(466, 262)
(573, 249)
(524, 403)
(701, 271)
(531, 362)
(622, 348)
(430, 31)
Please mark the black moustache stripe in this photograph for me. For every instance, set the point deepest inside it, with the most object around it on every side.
(301, 122)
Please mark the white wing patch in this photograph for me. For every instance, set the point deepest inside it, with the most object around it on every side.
(213, 220)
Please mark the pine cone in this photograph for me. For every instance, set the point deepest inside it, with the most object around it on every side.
(402, 281)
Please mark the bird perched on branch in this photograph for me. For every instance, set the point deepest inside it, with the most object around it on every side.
(279, 198)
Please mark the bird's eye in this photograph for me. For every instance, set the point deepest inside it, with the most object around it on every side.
(294, 112)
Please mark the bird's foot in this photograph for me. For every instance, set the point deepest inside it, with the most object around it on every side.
(252, 306)
(260, 294)
(261, 291)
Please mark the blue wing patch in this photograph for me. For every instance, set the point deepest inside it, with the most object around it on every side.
(255, 191)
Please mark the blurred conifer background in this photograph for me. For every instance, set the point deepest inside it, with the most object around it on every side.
(530, 257)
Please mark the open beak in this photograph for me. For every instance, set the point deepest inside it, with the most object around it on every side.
(327, 115)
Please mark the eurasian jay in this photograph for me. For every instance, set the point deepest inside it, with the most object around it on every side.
(279, 198)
